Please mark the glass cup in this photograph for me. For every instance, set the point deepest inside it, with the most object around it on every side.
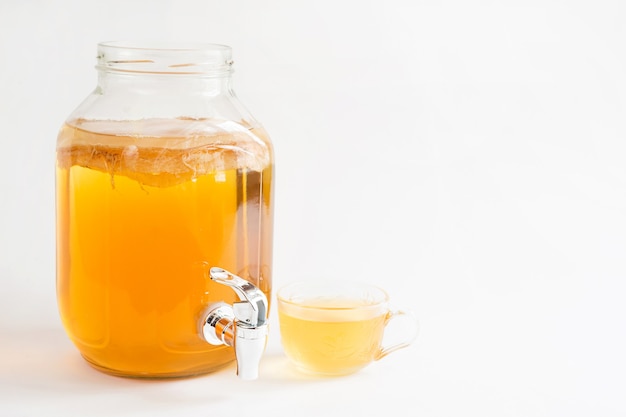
(337, 328)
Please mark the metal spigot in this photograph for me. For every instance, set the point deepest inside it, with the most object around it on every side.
(242, 325)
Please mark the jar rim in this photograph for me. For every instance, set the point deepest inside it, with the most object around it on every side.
(172, 46)
(165, 57)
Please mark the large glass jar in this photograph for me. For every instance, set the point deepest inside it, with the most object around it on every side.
(161, 174)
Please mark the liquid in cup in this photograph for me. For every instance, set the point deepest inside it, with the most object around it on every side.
(334, 328)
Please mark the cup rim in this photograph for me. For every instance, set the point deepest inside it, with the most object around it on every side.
(323, 289)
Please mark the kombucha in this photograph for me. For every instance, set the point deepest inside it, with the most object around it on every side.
(331, 337)
(141, 217)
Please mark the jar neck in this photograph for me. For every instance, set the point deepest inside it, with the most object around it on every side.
(186, 68)
(110, 82)
(150, 82)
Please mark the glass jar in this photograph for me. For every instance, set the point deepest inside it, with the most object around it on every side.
(161, 174)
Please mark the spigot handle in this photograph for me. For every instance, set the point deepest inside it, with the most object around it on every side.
(242, 326)
(252, 310)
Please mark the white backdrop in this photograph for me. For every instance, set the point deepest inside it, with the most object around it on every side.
(468, 156)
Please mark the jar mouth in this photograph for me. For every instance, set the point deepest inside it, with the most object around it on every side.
(165, 57)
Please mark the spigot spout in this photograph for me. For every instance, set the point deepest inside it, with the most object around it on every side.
(242, 325)
(249, 348)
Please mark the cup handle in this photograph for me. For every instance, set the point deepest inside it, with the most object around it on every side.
(411, 334)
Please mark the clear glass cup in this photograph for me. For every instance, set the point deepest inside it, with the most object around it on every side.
(338, 327)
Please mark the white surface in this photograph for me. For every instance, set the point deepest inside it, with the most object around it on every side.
(467, 156)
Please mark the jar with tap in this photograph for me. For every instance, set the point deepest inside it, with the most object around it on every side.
(164, 215)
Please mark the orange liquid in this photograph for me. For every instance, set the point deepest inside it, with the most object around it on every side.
(140, 219)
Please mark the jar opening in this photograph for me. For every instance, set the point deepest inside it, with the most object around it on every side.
(193, 58)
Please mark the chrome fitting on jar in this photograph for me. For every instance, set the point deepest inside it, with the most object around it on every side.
(242, 326)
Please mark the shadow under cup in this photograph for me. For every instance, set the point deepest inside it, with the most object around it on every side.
(337, 328)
